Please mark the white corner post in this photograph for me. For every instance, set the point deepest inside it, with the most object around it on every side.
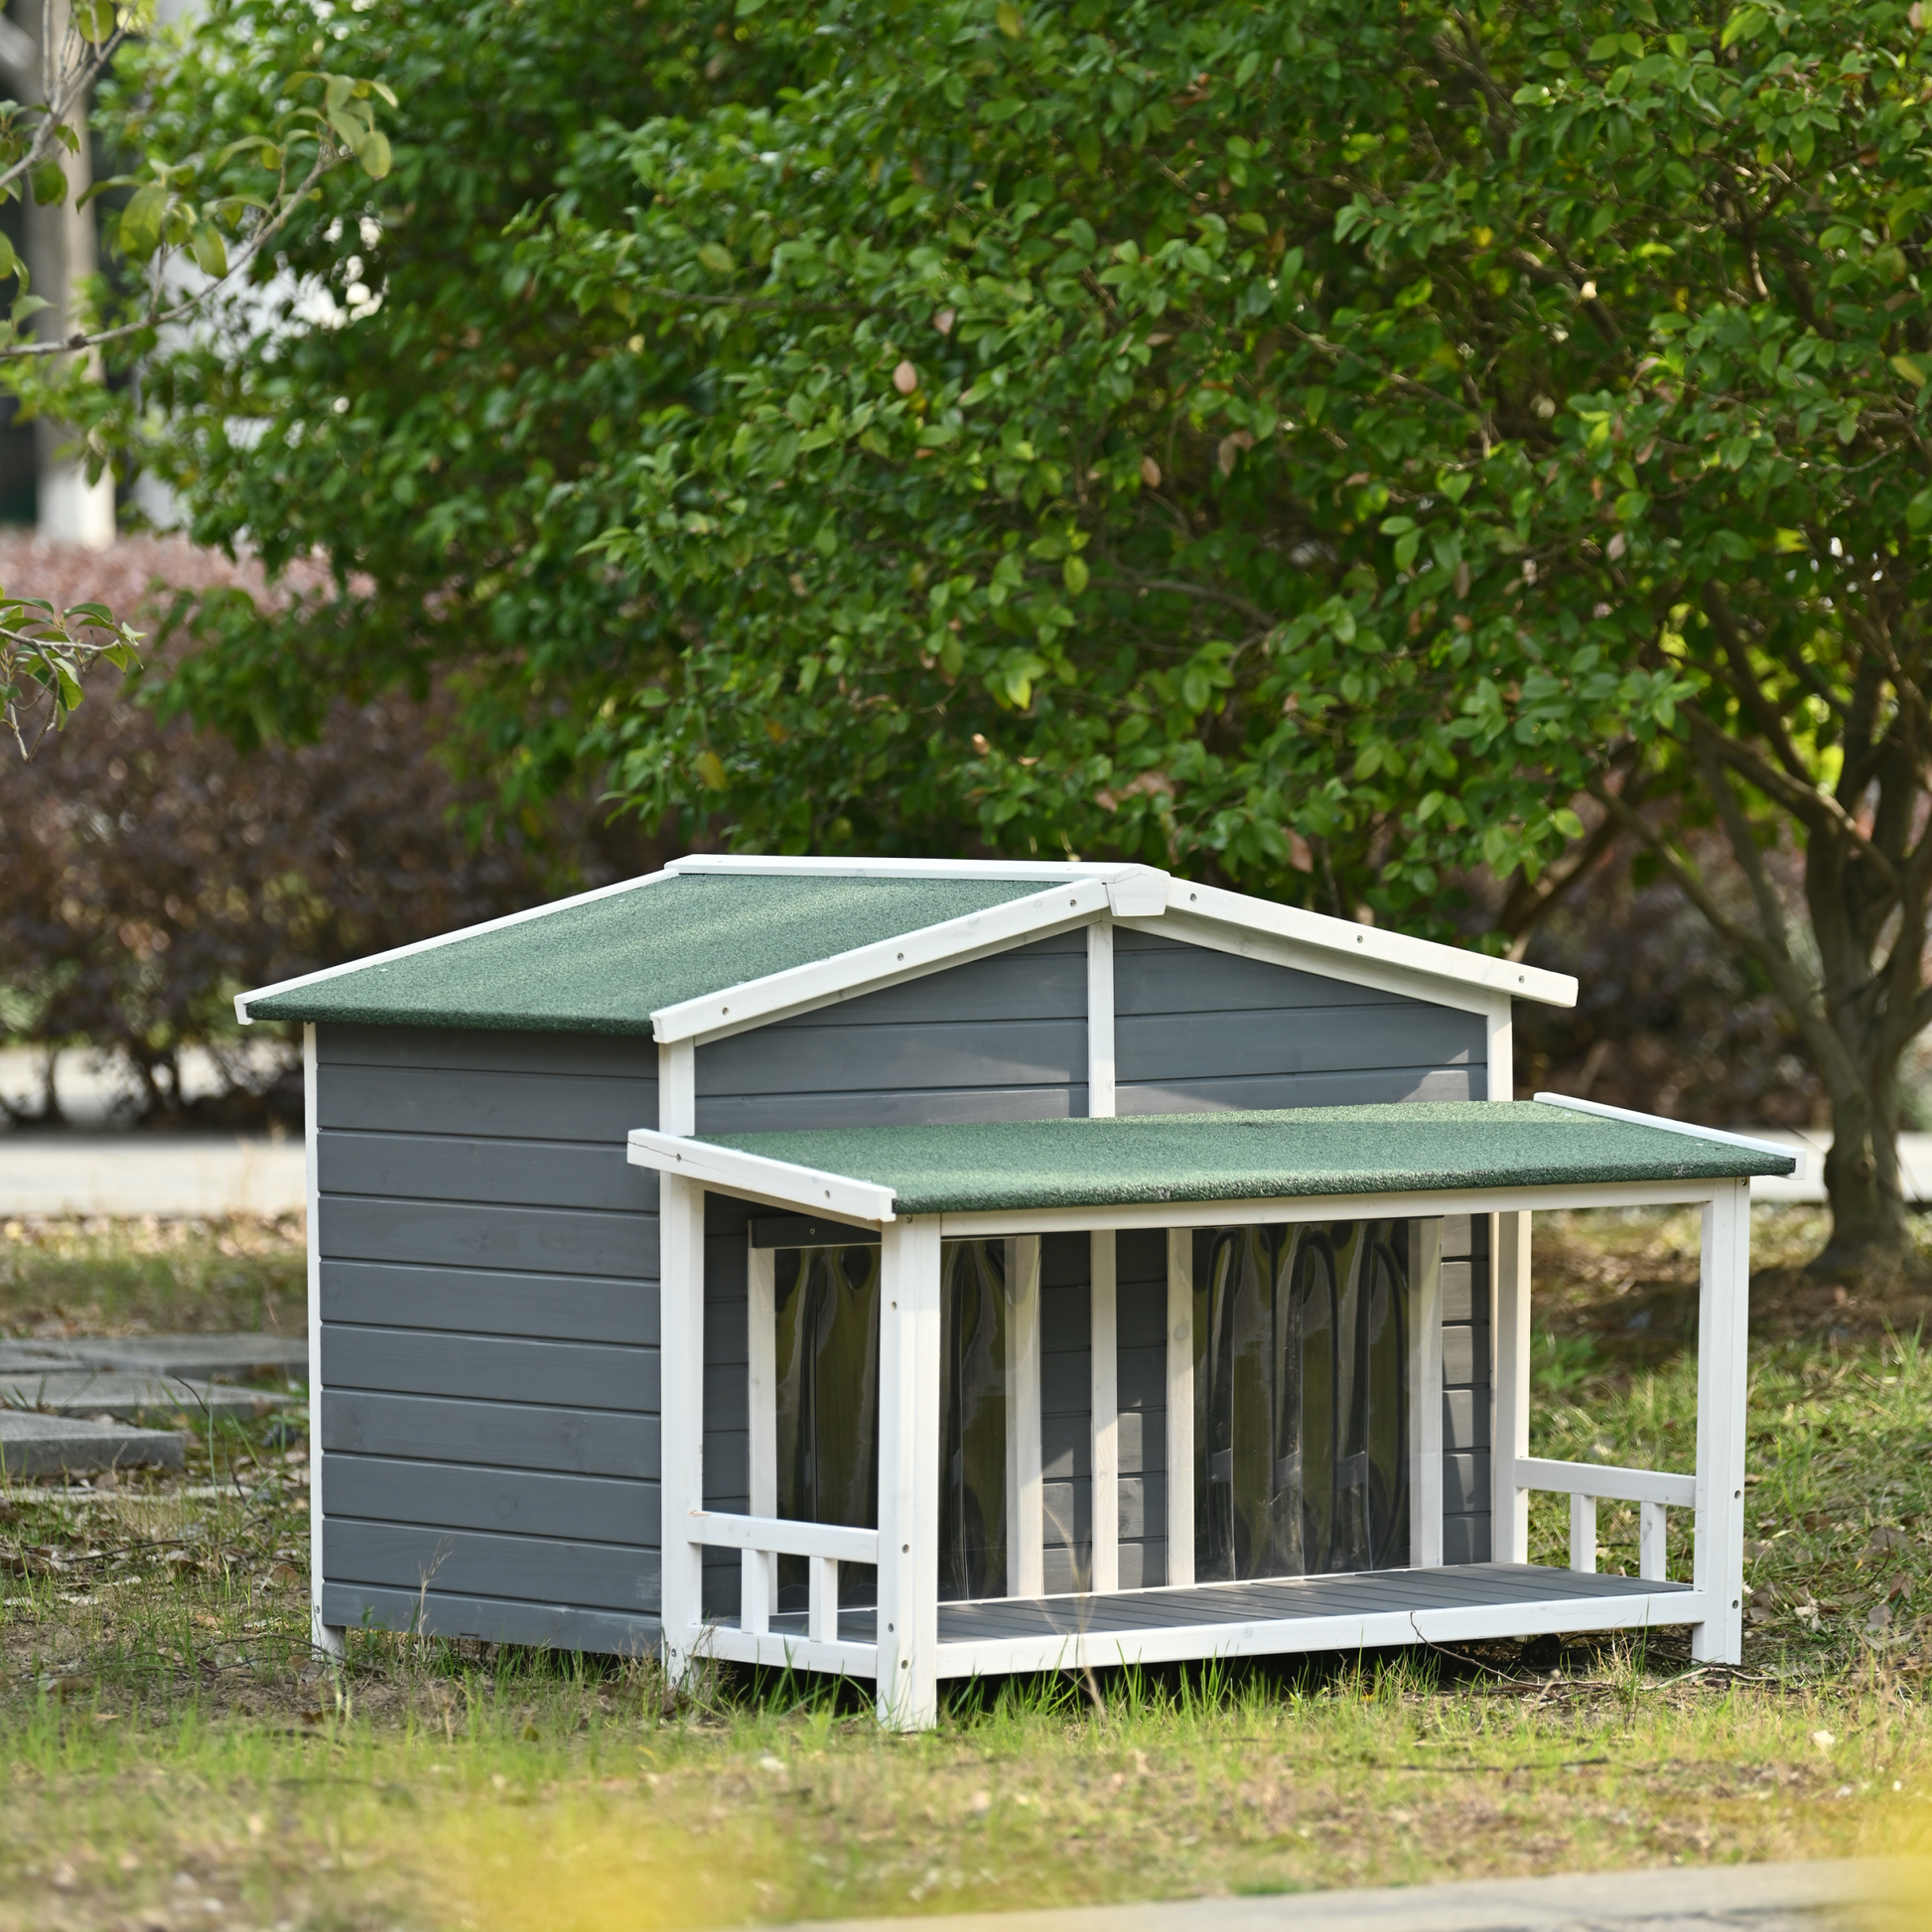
(910, 1347)
(760, 1597)
(680, 1347)
(1426, 1393)
(1100, 1020)
(1509, 1247)
(325, 1638)
(1723, 1307)
(1026, 1492)
(1180, 1408)
(1104, 1404)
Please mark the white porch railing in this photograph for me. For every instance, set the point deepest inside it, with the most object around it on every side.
(1588, 1483)
(763, 1538)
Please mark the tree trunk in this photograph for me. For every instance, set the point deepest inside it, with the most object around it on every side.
(1870, 1228)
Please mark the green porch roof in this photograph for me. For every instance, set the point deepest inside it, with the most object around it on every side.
(1312, 1151)
(607, 965)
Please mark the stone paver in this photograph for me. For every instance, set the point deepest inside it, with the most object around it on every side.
(45, 1446)
(128, 1396)
(218, 1358)
(1887, 1895)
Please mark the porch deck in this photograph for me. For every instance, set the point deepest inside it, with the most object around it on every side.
(1457, 1603)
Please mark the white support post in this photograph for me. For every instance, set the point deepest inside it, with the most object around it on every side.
(329, 1638)
(1026, 1492)
(909, 1347)
(1509, 1244)
(677, 1088)
(1180, 1408)
(1723, 1299)
(1582, 1534)
(761, 1579)
(1100, 1020)
(1104, 1384)
(822, 1599)
(1653, 1561)
(1426, 1393)
(680, 1327)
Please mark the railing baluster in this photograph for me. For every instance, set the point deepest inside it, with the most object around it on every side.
(822, 1605)
(1652, 1561)
(1582, 1533)
(754, 1593)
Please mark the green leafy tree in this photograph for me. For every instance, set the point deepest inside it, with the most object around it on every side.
(1335, 446)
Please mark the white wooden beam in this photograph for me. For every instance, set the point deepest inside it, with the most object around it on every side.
(760, 1578)
(1510, 1248)
(1026, 1485)
(834, 1541)
(758, 1177)
(1583, 1531)
(677, 1089)
(1653, 1559)
(1425, 1392)
(1640, 1608)
(1499, 1049)
(1104, 1385)
(1724, 1305)
(1100, 1020)
(329, 1638)
(865, 969)
(1180, 1408)
(681, 1416)
(910, 1347)
(1597, 1110)
(1608, 1481)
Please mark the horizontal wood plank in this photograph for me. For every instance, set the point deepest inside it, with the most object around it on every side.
(494, 1619)
(490, 1368)
(501, 1435)
(591, 1576)
(450, 1495)
(471, 1234)
(564, 1308)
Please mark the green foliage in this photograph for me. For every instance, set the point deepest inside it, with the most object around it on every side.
(1301, 442)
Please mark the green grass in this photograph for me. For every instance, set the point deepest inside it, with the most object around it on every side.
(168, 1741)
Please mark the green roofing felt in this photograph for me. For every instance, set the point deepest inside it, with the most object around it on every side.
(1432, 1145)
(606, 966)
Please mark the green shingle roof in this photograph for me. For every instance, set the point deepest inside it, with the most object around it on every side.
(605, 966)
(1312, 1151)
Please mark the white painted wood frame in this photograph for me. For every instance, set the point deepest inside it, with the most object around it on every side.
(910, 1349)
(1509, 1249)
(329, 1638)
(680, 1327)
(1104, 1408)
(1425, 1367)
(1653, 1550)
(1724, 1304)
(1180, 1408)
(1583, 1531)
(1100, 1021)
(1025, 1484)
(760, 1578)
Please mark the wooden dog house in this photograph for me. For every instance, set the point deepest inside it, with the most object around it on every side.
(916, 1270)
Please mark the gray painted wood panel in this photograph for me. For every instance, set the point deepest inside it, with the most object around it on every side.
(1156, 975)
(864, 1058)
(595, 1575)
(581, 1308)
(1270, 1090)
(461, 1101)
(1199, 1028)
(543, 1240)
(776, 1113)
(500, 1619)
(490, 1368)
(504, 1172)
(488, 1050)
(457, 1496)
(501, 1435)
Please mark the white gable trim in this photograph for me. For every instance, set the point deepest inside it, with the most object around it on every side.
(1075, 901)
(1368, 946)
(415, 946)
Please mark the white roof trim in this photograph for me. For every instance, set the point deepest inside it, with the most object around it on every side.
(1345, 940)
(1684, 1127)
(784, 1182)
(1073, 901)
(442, 939)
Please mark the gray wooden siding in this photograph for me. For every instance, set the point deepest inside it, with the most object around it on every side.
(998, 1039)
(1195, 1030)
(489, 1427)
(1466, 1358)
